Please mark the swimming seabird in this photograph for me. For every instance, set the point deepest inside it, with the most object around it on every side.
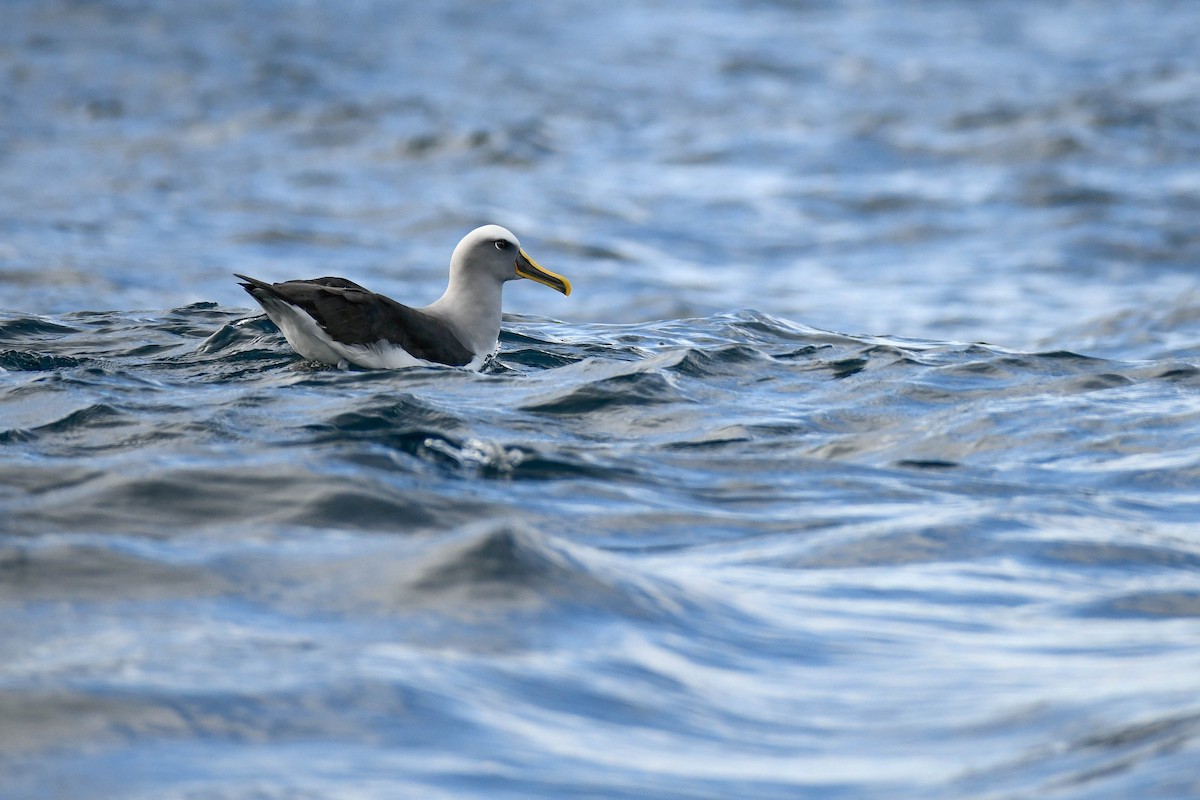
(336, 321)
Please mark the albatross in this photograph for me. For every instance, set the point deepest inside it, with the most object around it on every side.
(336, 321)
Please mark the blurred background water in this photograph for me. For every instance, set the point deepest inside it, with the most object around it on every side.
(864, 461)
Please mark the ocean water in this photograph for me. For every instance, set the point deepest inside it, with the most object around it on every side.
(863, 461)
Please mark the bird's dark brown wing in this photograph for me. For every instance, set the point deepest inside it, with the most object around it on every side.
(353, 315)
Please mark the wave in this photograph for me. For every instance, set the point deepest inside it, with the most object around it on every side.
(32, 361)
(1095, 752)
(482, 571)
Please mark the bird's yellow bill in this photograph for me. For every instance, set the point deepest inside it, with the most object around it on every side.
(528, 268)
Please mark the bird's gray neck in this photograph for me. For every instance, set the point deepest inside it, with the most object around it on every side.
(472, 310)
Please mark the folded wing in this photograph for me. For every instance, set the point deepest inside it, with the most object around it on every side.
(356, 316)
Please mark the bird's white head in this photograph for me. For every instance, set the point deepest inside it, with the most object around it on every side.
(494, 251)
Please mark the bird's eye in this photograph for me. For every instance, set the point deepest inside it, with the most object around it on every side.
(503, 244)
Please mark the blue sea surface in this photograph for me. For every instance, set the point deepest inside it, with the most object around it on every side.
(863, 461)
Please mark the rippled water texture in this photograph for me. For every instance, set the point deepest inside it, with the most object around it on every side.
(681, 539)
